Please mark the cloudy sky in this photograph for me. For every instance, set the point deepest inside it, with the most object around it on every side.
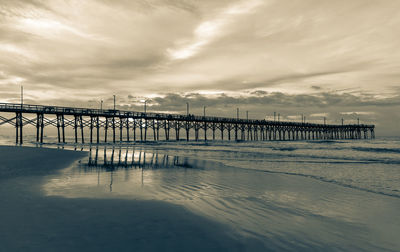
(317, 57)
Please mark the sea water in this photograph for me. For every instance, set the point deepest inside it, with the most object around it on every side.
(311, 195)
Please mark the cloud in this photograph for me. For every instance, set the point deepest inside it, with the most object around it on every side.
(263, 56)
(208, 30)
(260, 105)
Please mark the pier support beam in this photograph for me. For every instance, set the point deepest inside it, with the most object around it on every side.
(78, 123)
(91, 126)
(166, 128)
(59, 123)
(127, 129)
(145, 129)
(18, 128)
(121, 125)
(222, 131)
(187, 130)
(141, 129)
(106, 129)
(154, 131)
(205, 131)
(113, 128)
(196, 131)
(63, 128)
(134, 129)
(39, 127)
(97, 129)
(236, 132)
(213, 131)
(81, 122)
(158, 130)
(177, 129)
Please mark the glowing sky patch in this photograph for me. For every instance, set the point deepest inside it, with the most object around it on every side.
(208, 30)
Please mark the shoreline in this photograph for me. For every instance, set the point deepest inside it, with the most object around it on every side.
(13, 166)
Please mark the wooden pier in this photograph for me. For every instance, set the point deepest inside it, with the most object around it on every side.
(137, 126)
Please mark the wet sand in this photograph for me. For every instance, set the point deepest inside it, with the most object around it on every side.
(31, 221)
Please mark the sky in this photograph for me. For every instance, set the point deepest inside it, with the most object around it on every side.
(320, 58)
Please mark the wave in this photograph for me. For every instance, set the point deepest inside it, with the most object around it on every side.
(285, 148)
(325, 141)
(287, 152)
(381, 150)
(323, 179)
(338, 183)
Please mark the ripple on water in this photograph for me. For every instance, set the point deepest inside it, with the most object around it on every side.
(281, 210)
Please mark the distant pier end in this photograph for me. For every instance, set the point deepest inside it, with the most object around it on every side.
(98, 124)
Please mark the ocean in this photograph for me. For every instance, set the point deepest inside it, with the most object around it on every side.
(338, 195)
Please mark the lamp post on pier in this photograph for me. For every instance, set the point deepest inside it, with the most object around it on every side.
(22, 96)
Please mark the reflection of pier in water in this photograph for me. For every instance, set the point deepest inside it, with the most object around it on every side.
(114, 159)
(117, 158)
